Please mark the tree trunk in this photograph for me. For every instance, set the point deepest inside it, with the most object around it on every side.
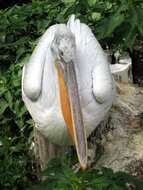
(137, 60)
(45, 150)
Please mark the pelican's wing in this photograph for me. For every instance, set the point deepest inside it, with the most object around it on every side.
(92, 62)
(33, 70)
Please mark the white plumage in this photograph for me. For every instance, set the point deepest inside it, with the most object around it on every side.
(40, 89)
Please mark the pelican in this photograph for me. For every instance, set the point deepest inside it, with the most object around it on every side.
(67, 85)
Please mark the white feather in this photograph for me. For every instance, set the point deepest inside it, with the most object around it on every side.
(40, 89)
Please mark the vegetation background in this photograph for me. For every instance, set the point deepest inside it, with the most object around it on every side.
(117, 24)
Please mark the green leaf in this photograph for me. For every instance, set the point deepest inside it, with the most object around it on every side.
(139, 12)
(91, 2)
(108, 25)
(3, 106)
(68, 1)
(9, 98)
(116, 187)
(130, 37)
(96, 16)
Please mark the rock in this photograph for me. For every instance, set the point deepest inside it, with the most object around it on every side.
(123, 139)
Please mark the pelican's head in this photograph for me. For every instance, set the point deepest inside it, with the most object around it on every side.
(64, 51)
(63, 45)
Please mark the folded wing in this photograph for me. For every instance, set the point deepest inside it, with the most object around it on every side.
(92, 62)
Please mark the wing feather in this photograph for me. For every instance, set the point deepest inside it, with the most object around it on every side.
(33, 70)
(92, 62)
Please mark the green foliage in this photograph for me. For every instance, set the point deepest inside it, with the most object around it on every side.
(60, 176)
(116, 23)
(15, 158)
(121, 23)
(15, 164)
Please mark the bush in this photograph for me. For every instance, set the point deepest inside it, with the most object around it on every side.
(60, 176)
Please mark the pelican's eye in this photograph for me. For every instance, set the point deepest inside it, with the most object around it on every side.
(61, 53)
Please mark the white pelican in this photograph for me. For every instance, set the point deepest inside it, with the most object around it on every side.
(67, 85)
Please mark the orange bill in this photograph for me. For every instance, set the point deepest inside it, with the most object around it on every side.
(71, 110)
